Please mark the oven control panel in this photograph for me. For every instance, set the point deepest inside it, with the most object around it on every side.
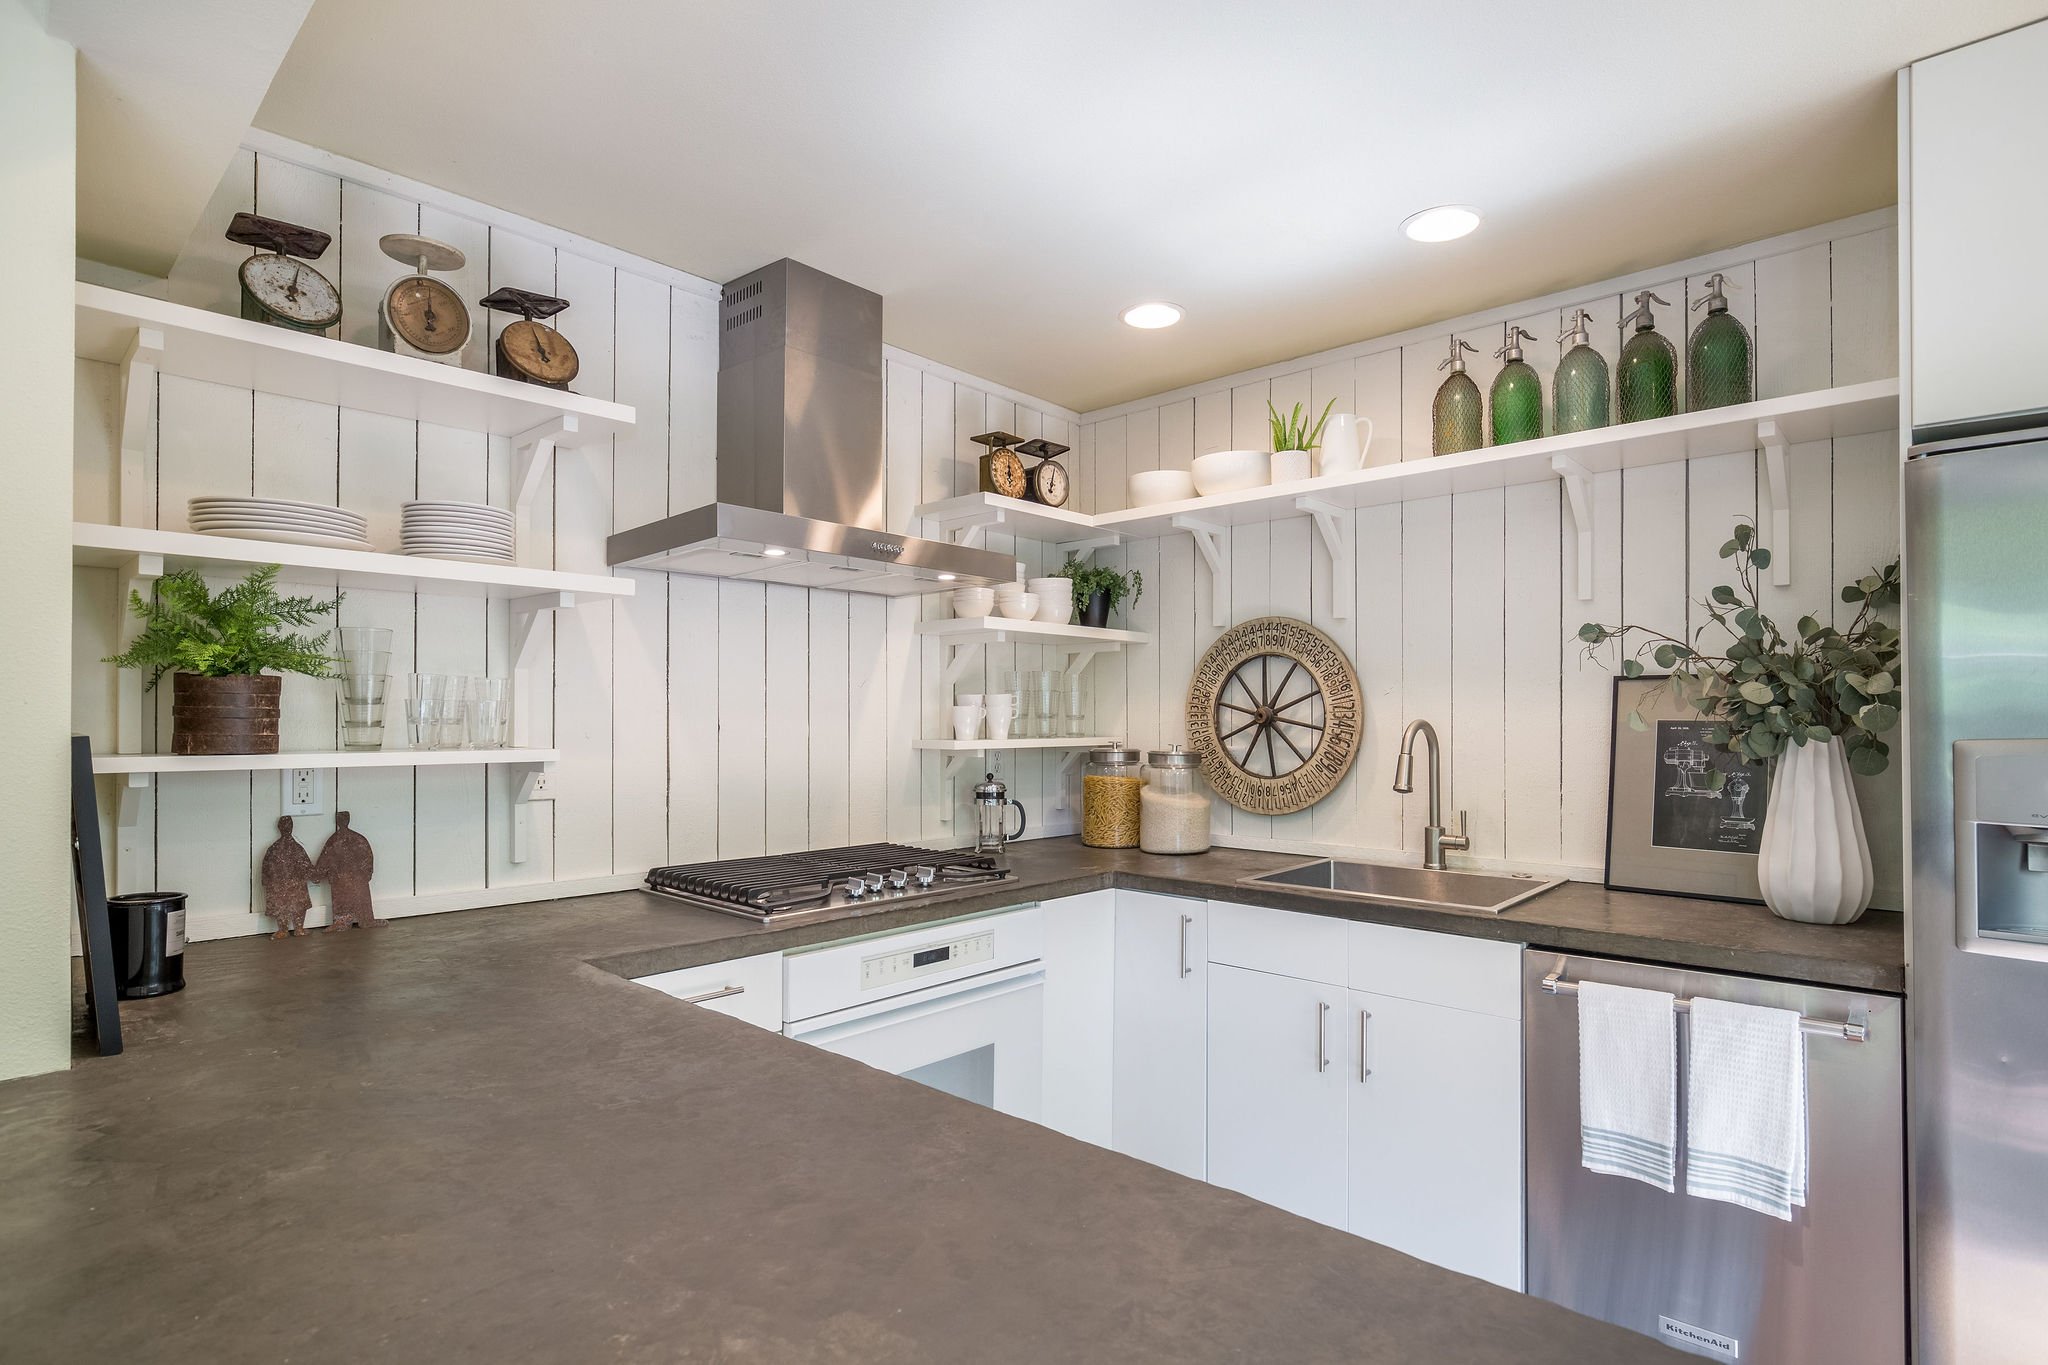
(909, 964)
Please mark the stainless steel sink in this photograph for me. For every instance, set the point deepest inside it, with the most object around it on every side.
(1491, 892)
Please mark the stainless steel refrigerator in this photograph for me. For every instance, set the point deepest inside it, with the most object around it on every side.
(1976, 513)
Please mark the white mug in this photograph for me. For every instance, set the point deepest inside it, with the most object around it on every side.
(1343, 448)
(1002, 709)
(967, 722)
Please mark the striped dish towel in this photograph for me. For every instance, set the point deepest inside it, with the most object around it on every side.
(1745, 1099)
(1628, 1083)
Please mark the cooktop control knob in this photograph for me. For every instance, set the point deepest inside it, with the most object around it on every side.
(899, 878)
(855, 888)
(874, 881)
(924, 876)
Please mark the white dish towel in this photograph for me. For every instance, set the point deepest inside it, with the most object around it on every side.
(1745, 1098)
(1628, 1083)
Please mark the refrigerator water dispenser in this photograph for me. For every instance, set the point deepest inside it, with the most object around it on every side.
(2002, 846)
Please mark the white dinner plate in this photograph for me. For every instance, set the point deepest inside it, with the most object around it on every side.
(295, 538)
(466, 558)
(355, 528)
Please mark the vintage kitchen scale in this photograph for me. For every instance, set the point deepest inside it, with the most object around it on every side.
(529, 349)
(278, 287)
(1047, 483)
(421, 316)
(1002, 469)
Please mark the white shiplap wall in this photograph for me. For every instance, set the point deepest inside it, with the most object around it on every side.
(1468, 605)
(698, 719)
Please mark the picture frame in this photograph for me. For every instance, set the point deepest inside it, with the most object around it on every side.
(1669, 831)
(88, 866)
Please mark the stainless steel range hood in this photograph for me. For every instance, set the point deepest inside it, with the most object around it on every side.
(800, 477)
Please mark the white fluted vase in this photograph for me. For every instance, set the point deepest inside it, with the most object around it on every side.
(1814, 865)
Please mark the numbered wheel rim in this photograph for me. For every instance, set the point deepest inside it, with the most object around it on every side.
(1275, 713)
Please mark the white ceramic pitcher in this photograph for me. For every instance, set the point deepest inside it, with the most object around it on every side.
(1343, 448)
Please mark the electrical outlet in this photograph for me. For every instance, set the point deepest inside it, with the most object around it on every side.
(302, 792)
(541, 788)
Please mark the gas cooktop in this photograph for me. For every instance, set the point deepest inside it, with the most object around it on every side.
(783, 885)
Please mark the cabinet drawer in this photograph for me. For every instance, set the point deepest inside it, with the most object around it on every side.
(1284, 942)
(1438, 969)
(748, 988)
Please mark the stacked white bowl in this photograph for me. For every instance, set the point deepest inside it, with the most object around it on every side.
(973, 602)
(1015, 602)
(1055, 599)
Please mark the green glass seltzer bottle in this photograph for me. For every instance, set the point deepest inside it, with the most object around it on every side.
(1580, 397)
(1719, 363)
(1646, 380)
(1516, 401)
(1456, 414)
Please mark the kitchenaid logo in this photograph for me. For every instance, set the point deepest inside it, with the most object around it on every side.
(1698, 1339)
(885, 547)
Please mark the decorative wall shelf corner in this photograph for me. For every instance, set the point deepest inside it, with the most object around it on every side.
(968, 519)
(1080, 644)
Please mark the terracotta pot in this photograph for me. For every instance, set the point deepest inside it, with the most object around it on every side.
(224, 715)
(1814, 865)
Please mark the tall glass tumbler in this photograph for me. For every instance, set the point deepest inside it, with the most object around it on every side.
(490, 712)
(364, 667)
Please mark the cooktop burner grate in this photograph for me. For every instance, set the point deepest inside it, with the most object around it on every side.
(787, 883)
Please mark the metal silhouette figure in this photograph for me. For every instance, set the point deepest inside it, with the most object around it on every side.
(345, 864)
(287, 867)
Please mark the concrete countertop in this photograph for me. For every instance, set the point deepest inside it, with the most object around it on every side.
(454, 1139)
(461, 1138)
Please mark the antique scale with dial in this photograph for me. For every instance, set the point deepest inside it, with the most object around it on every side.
(1275, 712)
(1048, 482)
(278, 287)
(529, 349)
(1002, 469)
(423, 317)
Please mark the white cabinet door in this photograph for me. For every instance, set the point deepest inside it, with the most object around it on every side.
(1277, 1092)
(1159, 1097)
(1435, 1129)
(748, 988)
(1080, 985)
(1976, 144)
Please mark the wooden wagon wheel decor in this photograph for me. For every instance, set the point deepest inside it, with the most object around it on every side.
(1275, 712)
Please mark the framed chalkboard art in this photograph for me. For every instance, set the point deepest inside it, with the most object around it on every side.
(1684, 816)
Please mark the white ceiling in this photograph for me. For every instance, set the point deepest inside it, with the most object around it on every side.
(1011, 176)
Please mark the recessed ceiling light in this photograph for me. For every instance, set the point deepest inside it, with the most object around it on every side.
(775, 554)
(947, 577)
(1152, 315)
(1444, 223)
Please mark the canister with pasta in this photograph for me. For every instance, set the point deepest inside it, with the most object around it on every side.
(1109, 798)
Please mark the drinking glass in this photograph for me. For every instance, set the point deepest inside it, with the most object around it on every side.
(490, 712)
(1042, 702)
(451, 712)
(1074, 710)
(362, 666)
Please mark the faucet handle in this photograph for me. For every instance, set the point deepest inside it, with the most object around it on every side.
(1460, 837)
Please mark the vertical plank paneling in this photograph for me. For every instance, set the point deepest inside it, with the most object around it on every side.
(1426, 604)
(1865, 294)
(1478, 758)
(1534, 670)
(786, 700)
(1381, 639)
(1586, 737)
(639, 486)
(1792, 322)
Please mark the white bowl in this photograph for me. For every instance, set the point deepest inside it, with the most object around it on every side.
(1020, 608)
(1152, 486)
(1058, 610)
(1232, 471)
(973, 601)
(1008, 589)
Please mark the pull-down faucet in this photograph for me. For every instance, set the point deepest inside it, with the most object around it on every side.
(1435, 838)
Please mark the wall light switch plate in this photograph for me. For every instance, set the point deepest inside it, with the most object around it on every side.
(304, 792)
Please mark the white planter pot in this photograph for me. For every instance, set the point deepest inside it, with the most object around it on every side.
(1290, 466)
(1814, 865)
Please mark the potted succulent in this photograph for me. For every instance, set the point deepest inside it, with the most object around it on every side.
(226, 651)
(1293, 439)
(1099, 590)
(1815, 704)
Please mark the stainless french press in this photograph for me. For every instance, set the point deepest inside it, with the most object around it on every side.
(992, 816)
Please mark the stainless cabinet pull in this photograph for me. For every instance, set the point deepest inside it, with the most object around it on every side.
(718, 994)
(1185, 921)
(1322, 1057)
(1363, 1069)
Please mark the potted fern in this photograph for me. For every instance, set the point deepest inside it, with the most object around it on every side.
(1293, 439)
(1815, 703)
(226, 651)
(1100, 590)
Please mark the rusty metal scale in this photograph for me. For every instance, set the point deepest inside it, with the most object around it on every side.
(529, 349)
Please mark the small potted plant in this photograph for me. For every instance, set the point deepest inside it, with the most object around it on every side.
(226, 652)
(1815, 705)
(1099, 590)
(1293, 439)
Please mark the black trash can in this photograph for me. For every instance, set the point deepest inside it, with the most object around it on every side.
(148, 929)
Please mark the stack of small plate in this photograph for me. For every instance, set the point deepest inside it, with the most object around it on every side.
(458, 530)
(278, 519)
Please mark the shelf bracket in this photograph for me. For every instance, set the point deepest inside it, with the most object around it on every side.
(957, 657)
(1082, 549)
(1329, 521)
(1059, 787)
(972, 531)
(1772, 442)
(138, 387)
(535, 448)
(957, 763)
(1578, 490)
(1080, 657)
(135, 576)
(1213, 542)
(525, 615)
(533, 786)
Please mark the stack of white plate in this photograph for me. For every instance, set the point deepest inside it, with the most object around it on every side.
(457, 530)
(279, 519)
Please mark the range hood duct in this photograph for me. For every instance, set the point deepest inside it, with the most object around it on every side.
(801, 488)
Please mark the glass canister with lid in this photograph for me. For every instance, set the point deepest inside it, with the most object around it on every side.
(1109, 798)
(1173, 814)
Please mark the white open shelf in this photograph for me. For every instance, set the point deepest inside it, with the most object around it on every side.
(1080, 644)
(196, 344)
(347, 758)
(99, 546)
(961, 754)
(968, 519)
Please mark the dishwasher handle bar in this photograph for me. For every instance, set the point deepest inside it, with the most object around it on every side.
(1853, 1030)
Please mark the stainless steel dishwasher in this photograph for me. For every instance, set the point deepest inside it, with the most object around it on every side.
(1827, 1288)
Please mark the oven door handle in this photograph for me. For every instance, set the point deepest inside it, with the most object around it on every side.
(826, 1029)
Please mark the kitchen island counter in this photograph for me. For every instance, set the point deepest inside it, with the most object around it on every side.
(457, 1139)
